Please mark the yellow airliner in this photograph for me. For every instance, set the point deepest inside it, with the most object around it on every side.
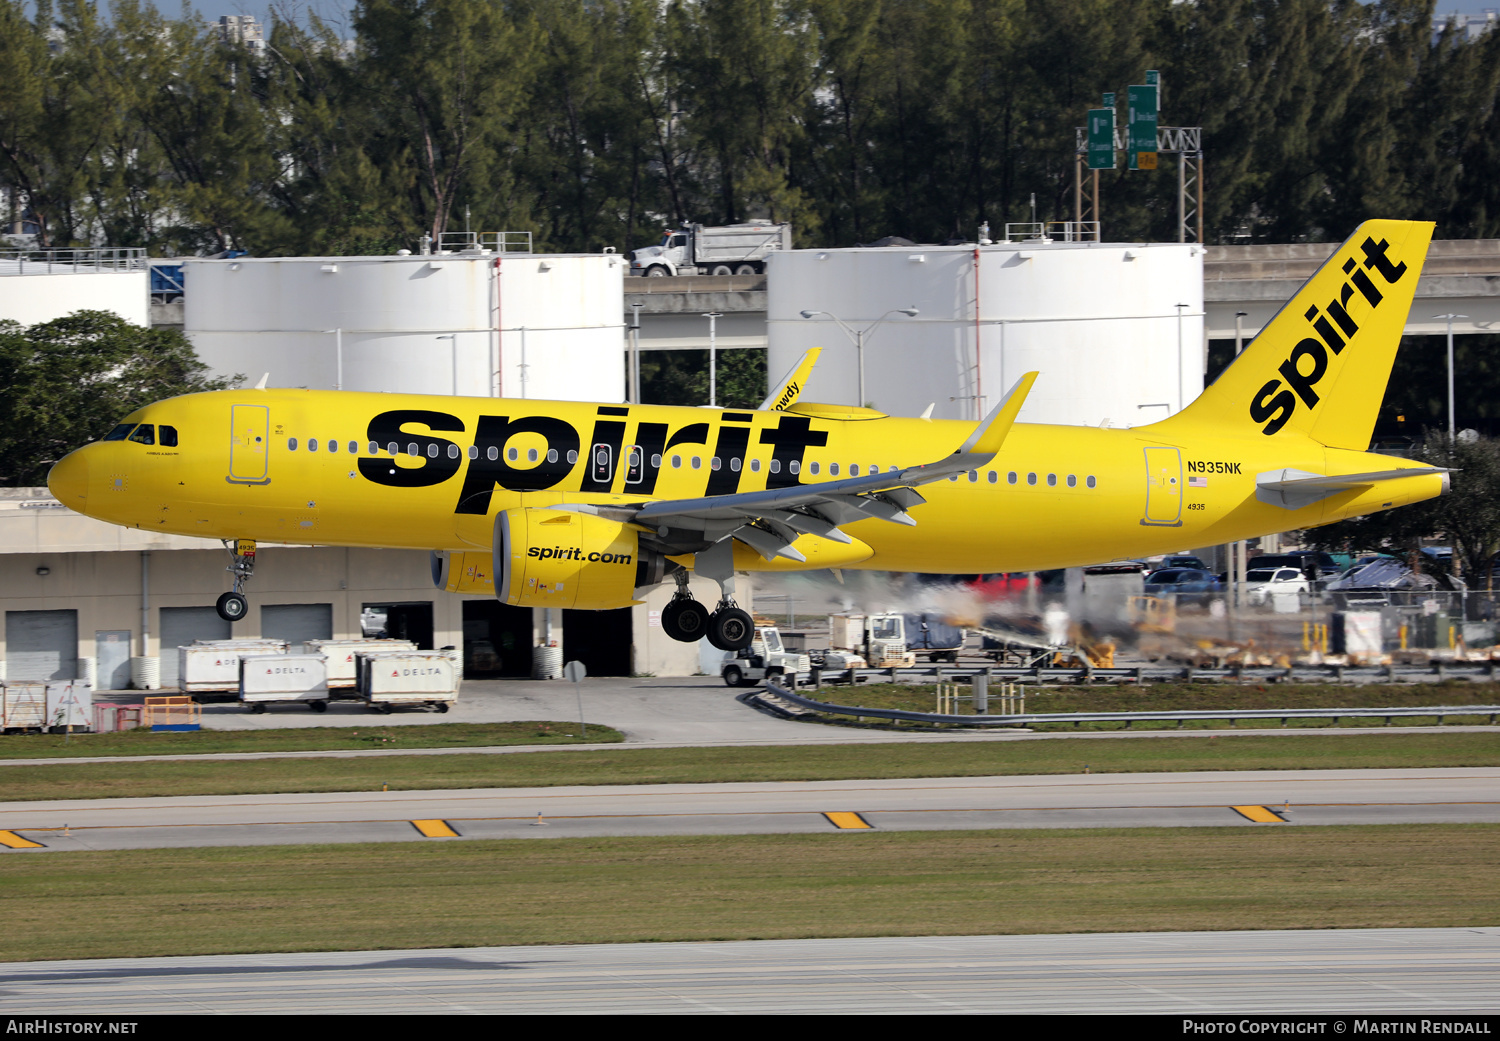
(578, 505)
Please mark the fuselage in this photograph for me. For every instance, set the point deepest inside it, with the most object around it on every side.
(427, 472)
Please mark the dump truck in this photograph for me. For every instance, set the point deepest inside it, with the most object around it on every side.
(693, 249)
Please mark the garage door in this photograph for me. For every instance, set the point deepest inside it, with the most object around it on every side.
(41, 645)
(183, 626)
(296, 623)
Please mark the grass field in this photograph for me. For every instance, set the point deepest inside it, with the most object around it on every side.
(412, 895)
(1159, 697)
(613, 765)
(303, 739)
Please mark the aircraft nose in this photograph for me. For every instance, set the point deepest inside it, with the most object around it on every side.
(69, 480)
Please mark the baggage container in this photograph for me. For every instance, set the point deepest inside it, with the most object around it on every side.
(391, 678)
(70, 705)
(342, 674)
(23, 705)
(269, 678)
(215, 665)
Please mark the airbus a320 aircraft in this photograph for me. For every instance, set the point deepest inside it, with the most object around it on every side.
(574, 505)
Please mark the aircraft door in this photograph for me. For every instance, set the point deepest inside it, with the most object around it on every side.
(249, 440)
(1163, 487)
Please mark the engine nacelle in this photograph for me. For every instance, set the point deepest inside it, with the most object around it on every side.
(555, 558)
(464, 573)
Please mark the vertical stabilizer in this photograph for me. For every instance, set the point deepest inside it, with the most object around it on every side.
(1319, 369)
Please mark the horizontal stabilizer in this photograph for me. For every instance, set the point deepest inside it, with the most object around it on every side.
(1294, 489)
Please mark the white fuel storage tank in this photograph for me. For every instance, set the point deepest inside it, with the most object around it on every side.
(1116, 330)
(473, 323)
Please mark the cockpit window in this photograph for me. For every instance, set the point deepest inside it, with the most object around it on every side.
(120, 432)
(168, 436)
(145, 434)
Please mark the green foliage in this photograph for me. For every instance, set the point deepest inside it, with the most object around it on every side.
(681, 377)
(67, 382)
(591, 122)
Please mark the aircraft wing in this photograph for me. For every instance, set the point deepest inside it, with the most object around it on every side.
(1294, 489)
(770, 521)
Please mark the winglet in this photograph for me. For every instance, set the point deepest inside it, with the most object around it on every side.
(989, 435)
(790, 388)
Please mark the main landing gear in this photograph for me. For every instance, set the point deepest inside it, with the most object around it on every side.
(729, 627)
(233, 606)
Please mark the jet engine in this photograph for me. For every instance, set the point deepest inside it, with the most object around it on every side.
(557, 558)
(463, 573)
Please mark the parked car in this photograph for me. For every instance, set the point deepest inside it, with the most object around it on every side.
(1301, 558)
(1188, 585)
(1261, 584)
(1183, 560)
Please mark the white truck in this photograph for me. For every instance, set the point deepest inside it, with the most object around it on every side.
(766, 656)
(878, 639)
(735, 249)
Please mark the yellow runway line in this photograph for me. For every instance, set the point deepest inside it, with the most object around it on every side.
(14, 841)
(847, 820)
(1259, 814)
(435, 829)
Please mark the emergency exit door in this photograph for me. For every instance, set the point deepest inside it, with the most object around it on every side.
(1163, 487)
(249, 441)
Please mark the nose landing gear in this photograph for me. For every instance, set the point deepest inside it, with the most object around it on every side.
(233, 606)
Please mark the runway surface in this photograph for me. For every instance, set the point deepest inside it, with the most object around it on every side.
(1439, 973)
(1286, 798)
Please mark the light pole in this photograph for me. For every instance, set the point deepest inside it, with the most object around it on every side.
(452, 338)
(713, 371)
(857, 336)
(635, 351)
(1450, 318)
(1239, 332)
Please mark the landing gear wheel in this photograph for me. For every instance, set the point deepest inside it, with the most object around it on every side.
(232, 607)
(685, 620)
(733, 676)
(731, 629)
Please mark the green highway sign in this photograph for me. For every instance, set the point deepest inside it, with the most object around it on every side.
(1140, 141)
(1102, 138)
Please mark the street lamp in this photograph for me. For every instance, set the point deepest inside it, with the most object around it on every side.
(338, 347)
(713, 317)
(857, 336)
(1450, 318)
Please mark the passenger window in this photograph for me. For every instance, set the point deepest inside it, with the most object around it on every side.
(531, 455)
(1052, 480)
(973, 476)
(411, 448)
(755, 466)
(551, 455)
(512, 455)
(432, 451)
(452, 451)
(714, 463)
(145, 434)
(813, 467)
(697, 462)
(1031, 479)
(572, 457)
(833, 469)
(1072, 481)
(312, 444)
(1011, 477)
(168, 436)
(333, 445)
(994, 477)
(676, 462)
(795, 466)
(374, 448)
(854, 470)
(120, 432)
(492, 453)
(734, 464)
(393, 448)
(473, 451)
(1090, 482)
(776, 466)
(291, 444)
(354, 448)
(655, 460)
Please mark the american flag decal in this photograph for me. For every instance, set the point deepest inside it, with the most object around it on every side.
(1197, 482)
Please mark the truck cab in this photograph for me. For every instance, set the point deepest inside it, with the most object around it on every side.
(765, 657)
